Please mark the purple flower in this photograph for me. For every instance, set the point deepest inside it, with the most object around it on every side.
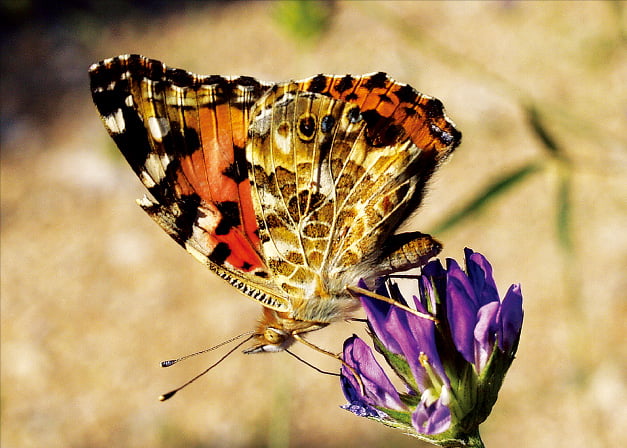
(452, 365)
(476, 316)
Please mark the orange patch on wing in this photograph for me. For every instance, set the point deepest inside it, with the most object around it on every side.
(243, 256)
(239, 127)
(248, 215)
(217, 152)
(203, 173)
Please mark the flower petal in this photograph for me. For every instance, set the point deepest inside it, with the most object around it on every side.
(510, 319)
(379, 390)
(461, 309)
(480, 275)
(378, 313)
(485, 334)
(433, 418)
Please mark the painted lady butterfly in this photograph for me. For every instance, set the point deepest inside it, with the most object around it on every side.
(289, 191)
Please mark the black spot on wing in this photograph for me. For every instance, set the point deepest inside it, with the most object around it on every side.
(406, 94)
(410, 112)
(378, 80)
(318, 83)
(345, 83)
(133, 142)
(185, 222)
(434, 108)
(247, 81)
(371, 117)
(181, 142)
(108, 100)
(381, 131)
(192, 140)
(327, 123)
(230, 217)
(354, 115)
(181, 78)
(306, 127)
(214, 80)
(391, 134)
(220, 253)
(238, 169)
(141, 67)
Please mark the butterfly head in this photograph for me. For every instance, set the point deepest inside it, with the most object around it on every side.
(276, 331)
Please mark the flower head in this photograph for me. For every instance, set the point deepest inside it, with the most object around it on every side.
(452, 366)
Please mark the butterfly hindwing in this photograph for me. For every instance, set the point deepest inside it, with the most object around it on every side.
(334, 175)
(422, 136)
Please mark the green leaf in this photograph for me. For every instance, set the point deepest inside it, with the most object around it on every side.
(494, 190)
(539, 129)
(303, 19)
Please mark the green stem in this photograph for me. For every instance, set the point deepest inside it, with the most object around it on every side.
(474, 441)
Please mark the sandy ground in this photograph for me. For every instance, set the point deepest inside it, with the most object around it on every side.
(94, 294)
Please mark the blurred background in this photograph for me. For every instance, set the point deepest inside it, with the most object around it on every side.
(94, 294)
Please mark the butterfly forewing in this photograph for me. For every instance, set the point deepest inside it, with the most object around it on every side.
(184, 136)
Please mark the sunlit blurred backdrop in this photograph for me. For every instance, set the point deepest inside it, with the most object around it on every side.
(94, 294)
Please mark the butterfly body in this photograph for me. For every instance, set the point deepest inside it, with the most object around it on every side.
(289, 191)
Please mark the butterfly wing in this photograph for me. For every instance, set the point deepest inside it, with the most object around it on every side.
(336, 165)
(408, 135)
(184, 136)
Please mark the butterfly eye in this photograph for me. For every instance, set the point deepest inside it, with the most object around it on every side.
(306, 127)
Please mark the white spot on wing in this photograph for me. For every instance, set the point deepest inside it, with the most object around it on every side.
(159, 127)
(207, 220)
(261, 122)
(115, 122)
(153, 168)
(147, 180)
(283, 142)
(145, 202)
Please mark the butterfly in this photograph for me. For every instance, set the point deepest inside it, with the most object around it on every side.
(289, 191)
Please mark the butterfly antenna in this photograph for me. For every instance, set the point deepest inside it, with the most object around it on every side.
(357, 319)
(170, 394)
(171, 362)
(357, 290)
(307, 363)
